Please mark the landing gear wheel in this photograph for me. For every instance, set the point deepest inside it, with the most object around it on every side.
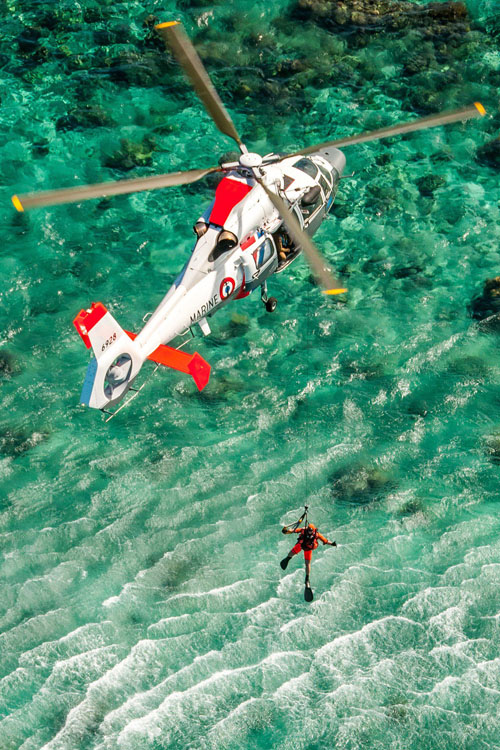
(271, 304)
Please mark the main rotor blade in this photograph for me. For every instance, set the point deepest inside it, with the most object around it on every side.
(104, 189)
(317, 263)
(444, 118)
(180, 44)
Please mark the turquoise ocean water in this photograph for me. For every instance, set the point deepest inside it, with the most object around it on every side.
(142, 604)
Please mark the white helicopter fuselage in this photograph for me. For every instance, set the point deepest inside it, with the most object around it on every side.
(210, 279)
(237, 250)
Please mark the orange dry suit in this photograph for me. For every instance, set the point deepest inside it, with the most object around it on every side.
(308, 540)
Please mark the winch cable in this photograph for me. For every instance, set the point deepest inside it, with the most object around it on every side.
(308, 369)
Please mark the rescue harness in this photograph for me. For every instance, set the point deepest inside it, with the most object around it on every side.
(308, 537)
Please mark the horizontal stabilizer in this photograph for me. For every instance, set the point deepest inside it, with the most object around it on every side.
(191, 364)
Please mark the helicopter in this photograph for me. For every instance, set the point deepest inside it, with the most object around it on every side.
(264, 213)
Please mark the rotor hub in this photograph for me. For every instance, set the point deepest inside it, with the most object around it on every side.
(250, 161)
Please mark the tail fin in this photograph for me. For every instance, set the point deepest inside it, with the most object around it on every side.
(117, 359)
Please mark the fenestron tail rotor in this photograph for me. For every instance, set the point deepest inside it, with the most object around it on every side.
(443, 118)
(104, 189)
(319, 267)
(187, 57)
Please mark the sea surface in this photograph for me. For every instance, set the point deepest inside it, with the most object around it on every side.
(142, 605)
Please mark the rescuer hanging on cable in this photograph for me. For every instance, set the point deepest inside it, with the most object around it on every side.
(307, 541)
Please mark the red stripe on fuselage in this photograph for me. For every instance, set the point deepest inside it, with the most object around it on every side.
(228, 194)
(248, 242)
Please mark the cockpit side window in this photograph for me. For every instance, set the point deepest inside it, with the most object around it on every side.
(307, 166)
(326, 174)
(325, 185)
(311, 201)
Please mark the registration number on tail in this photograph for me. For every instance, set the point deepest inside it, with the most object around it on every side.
(108, 342)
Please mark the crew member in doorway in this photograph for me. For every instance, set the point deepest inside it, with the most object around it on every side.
(283, 244)
(307, 541)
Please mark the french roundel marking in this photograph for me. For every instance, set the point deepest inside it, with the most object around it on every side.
(227, 287)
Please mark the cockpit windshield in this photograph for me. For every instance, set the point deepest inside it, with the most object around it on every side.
(307, 166)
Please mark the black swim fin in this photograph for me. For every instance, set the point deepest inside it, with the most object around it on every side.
(308, 593)
(285, 562)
